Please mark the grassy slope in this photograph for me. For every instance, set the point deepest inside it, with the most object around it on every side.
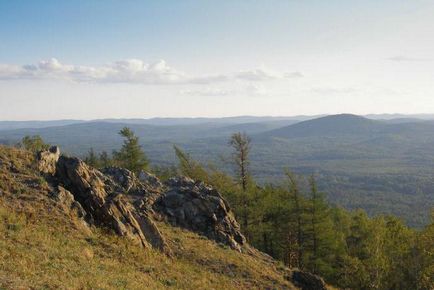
(42, 247)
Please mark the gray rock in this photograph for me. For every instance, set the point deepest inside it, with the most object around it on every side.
(106, 203)
(67, 201)
(125, 178)
(200, 208)
(116, 198)
(150, 179)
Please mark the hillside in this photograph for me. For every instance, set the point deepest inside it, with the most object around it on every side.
(47, 242)
(335, 125)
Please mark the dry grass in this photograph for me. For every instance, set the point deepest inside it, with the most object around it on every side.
(42, 247)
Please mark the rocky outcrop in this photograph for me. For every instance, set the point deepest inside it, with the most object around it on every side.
(200, 208)
(151, 180)
(123, 177)
(110, 199)
(47, 160)
(106, 200)
(116, 198)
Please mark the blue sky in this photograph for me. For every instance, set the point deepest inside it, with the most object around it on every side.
(95, 59)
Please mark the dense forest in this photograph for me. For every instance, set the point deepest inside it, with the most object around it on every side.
(292, 221)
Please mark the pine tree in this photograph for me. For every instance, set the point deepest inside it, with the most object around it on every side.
(298, 218)
(131, 155)
(320, 234)
(240, 142)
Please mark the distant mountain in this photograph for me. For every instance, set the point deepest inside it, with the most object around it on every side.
(390, 118)
(329, 126)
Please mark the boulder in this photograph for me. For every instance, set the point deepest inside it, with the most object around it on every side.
(200, 208)
(307, 281)
(47, 160)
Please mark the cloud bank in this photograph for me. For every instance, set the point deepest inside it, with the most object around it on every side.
(129, 71)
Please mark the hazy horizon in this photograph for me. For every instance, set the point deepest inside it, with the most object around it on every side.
(379, 115)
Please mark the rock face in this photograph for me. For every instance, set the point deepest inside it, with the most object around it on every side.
(200, 208)
(115, 198)
(68, 202)
(150, 179)
(107, 202)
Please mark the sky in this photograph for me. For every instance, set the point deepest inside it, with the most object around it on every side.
(143, 59)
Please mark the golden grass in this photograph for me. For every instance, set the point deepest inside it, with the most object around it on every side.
(42, 247)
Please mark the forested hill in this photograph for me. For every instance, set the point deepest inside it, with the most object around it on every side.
(384, 165)
(330, 126)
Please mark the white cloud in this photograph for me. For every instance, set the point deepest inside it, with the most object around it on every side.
(129, 71)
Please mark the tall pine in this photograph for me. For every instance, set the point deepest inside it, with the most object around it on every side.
(131, 155)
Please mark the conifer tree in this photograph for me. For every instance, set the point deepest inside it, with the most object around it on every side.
(131, 155)
(320, 232)
(240, 142)
(298, 217)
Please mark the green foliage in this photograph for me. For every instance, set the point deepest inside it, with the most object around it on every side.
(423, 257)
(349, 249)
(131, 155)
(240, 142)
(98, 161)
(104, 160)
(319, 234)
(164, 173)
(189, 167)
(92, 159)
(34, 143)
